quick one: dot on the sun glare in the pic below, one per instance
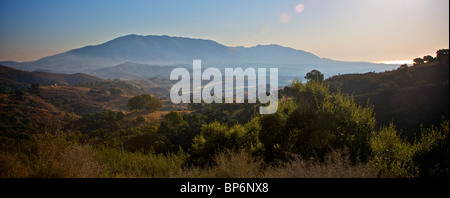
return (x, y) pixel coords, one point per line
(397, 62)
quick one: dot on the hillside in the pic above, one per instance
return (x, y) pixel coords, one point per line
(25, 78)
(410, 97)
(24, 112)
(81, 100)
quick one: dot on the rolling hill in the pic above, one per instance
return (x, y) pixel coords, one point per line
(26, 77)
(411, 97)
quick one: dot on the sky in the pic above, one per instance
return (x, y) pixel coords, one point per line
(347, 30)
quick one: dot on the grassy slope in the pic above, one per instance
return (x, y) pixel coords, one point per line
(28, 113)
(81, 100)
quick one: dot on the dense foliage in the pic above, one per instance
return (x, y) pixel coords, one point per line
(319, 130)
(315, 122)
(426, 157)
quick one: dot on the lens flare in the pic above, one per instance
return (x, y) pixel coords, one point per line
(285, 17)
(299, 8)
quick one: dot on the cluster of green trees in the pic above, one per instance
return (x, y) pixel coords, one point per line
(228, 113)
(99, 124)
(144, 102)
(316, 121)
(311, 122)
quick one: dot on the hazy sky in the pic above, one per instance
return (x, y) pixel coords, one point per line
(351, 30)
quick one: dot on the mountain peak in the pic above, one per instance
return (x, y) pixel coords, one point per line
(164, 50)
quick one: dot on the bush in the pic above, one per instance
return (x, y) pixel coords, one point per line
(315, 122)
(427, 157)
(390, 154)
(144, 102)
(433, 151)
(99, 123)
(175, 130)
(216, 137)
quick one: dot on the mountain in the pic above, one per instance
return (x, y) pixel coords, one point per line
(127, 53)
(26, 77)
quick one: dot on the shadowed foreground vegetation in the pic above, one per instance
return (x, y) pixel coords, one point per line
(316, 133)
(60, 156)
(319, 130)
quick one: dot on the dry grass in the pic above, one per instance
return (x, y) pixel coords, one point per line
(337, 164)
(53, 155)
(240, 164)
(121, 163)
(57, 157)
(228, 164)
(11, 166)
(48, 155)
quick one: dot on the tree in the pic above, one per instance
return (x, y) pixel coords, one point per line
(442, 54)
(428, 59)
(418, 61)
(314, 75)
(402, 67)
(174, 129)
(144, 102)
(315, 122)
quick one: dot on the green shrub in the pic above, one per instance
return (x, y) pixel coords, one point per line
(216, 137)
(315, 122)
(390, 154)
(427, 157)
(433, 151)
(144, 102)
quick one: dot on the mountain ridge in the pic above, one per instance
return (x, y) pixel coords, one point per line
(168, 51)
